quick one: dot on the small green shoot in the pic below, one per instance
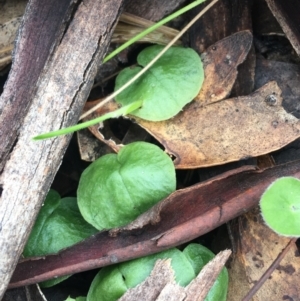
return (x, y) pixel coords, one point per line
(115, 114)
(280, 206)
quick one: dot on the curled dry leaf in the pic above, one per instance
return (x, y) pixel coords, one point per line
(112, 141)
(220, 66)
(284, 12)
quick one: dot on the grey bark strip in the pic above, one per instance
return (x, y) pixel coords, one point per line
(57, 101)
(41, 27)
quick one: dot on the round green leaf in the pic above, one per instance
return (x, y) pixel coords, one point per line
(112, 282)
(280, 206)
(198, 257)
(172, 82)
(117, 188)
(58, 226)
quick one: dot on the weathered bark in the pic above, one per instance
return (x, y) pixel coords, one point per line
(40, 30)
(287, 15)
(153, 10)
(64, 81)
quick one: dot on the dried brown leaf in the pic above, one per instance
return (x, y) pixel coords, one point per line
(255, 255)
(228, 130)
(220, 64)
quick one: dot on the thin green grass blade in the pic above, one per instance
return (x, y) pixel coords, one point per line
(117, 113)
(152, 28)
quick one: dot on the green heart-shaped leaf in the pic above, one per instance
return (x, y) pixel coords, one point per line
(58, 226)
(172, 82)
(280, 206)
(116, 188)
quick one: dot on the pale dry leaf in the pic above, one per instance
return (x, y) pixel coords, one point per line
(221, 61)
(10, 18)
(253, 258)
(227, 131)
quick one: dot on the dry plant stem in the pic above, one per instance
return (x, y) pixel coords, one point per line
(6, 49)
(269, 271)
(148, 66)
(7, 59)
(130, 26)
(144, 23)
(125, 32)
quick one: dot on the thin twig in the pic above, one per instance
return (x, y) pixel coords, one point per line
(269, 271)
(150, 64)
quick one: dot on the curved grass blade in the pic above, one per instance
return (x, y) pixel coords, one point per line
(117, 113)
